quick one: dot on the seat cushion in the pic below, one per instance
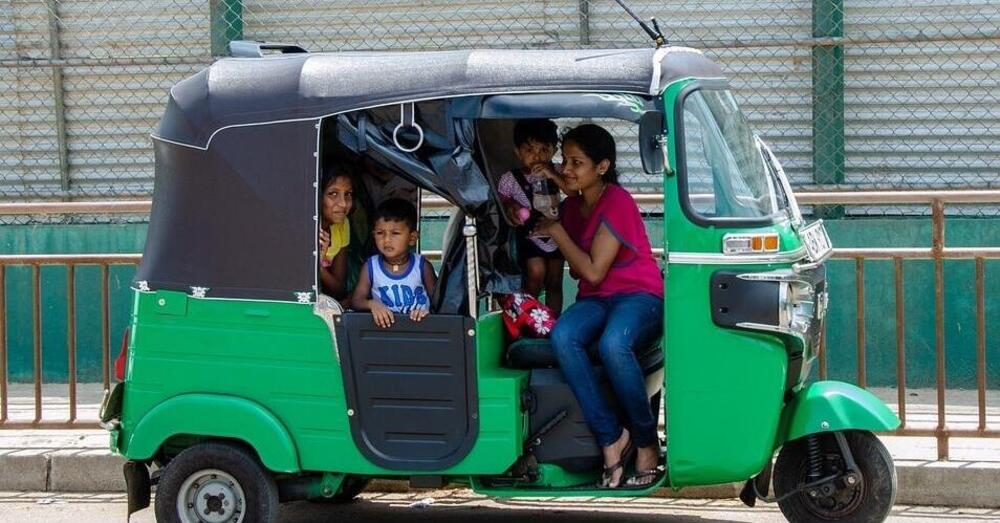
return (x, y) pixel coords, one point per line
(537, 353)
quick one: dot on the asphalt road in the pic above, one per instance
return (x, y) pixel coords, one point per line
(459, 507)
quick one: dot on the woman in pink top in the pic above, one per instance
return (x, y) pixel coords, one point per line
(619, 302)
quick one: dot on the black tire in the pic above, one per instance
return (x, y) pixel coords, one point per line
(206, 473)
(349, 490)
(868, 502)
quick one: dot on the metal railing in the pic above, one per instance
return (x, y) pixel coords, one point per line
(71, 262)
(936, 252)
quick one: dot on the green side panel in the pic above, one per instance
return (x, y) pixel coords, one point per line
(171, 303)
(282, 357)
(276, 355)
(830, 406)
(724, 388)
(218, 416)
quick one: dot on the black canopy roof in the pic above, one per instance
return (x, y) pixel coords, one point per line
(243, 91)
(238, 154)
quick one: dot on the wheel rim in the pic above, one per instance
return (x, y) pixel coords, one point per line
(842, 502)
(211, 496)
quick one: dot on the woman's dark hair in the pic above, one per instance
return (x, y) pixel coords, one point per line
(598, 144)
(539, 130)
(332, 171)
(397, 210)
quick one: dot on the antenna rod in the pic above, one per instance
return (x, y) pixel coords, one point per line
(658, 38)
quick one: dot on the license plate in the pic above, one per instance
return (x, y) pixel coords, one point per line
(816, 240)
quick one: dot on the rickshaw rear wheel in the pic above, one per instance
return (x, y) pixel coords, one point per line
(868, 502)
(216, 482)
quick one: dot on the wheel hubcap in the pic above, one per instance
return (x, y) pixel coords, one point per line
(211, 496)
(830, 502)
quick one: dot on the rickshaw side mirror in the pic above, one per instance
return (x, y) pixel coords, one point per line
(651, 139)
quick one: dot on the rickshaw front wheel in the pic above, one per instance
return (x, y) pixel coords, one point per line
(868, 501)
(216, 483)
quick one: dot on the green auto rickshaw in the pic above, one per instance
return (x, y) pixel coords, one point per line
(245, 386)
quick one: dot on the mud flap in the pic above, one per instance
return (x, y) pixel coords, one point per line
(111, 406)
(137, 485)
(757, 486)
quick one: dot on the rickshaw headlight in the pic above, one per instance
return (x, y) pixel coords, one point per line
(796, 305)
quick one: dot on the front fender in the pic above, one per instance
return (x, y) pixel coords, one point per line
(830, 406)
(218, 416)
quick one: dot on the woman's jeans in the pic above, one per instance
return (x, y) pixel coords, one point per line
(623, 323)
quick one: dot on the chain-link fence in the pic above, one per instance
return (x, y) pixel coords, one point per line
(867, 94)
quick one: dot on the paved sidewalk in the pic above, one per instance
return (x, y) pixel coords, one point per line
(79, 460)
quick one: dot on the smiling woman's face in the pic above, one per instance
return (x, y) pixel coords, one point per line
(338, 199)
(579, 170)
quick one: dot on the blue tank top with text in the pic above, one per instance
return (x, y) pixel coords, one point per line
(399, 293)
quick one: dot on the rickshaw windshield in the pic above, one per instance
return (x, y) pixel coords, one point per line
(724, 172)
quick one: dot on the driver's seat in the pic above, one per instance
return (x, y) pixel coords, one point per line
(532, 353)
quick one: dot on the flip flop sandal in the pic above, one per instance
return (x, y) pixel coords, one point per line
(609, 471)
(643, 479)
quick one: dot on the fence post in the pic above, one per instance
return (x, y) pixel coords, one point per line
(937, 247)
(226, 24)
(828, 99)
(584, 22)
(58, 95)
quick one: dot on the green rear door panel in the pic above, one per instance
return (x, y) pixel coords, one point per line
(281, 357)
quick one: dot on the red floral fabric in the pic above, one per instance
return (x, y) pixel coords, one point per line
(525, 316)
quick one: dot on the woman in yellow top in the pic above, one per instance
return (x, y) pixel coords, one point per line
(336, 202)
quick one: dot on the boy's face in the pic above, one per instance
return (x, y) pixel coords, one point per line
(532, 153)
(393, 238)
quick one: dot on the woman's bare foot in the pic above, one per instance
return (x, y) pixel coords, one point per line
(647, 469)
(615, 457)
(647, 458)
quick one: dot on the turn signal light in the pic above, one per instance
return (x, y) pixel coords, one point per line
(750, 243)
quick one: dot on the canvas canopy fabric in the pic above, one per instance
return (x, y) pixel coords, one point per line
(242, 91)
(238, 153)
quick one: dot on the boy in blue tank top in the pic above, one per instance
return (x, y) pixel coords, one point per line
(395, 281)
